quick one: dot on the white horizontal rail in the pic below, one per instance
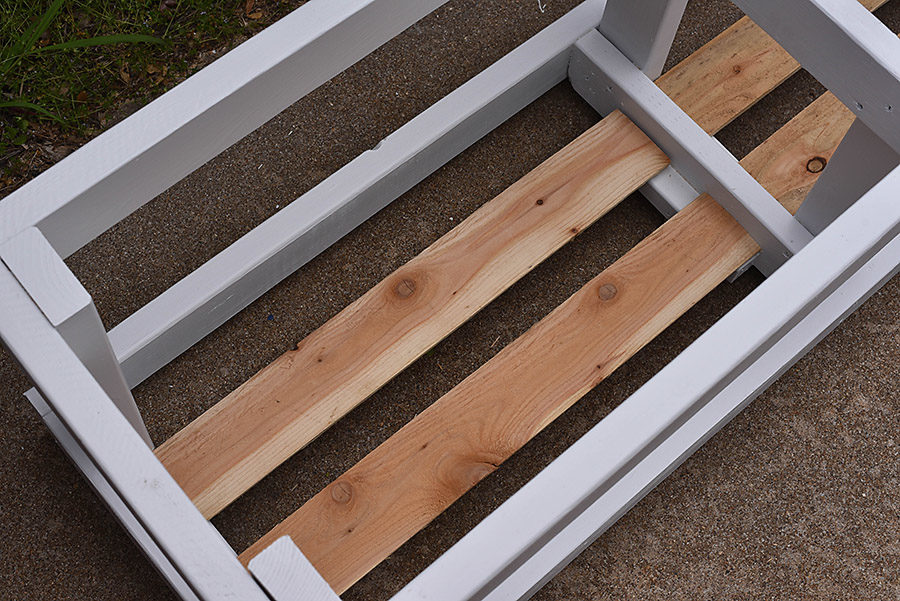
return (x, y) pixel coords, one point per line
(508, 548)
(204, 560)
(606, 510)
(846, 48)
(608, 80)
(123, 168)
(203, 300)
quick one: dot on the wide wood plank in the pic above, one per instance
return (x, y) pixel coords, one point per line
(728, 75)
(355, 522)
(291, 401)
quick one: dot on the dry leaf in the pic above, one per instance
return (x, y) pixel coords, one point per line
(82, 96)
(157, 73)
(257, 15)
(248, 6)
(124, 75)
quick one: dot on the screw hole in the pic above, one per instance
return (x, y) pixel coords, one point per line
(889, 108)
(859, 106)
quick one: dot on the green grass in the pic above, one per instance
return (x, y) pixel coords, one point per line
(60, 86)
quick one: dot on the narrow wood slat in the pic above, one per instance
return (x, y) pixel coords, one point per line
(294, 399)
(728, 75)
(355, 522)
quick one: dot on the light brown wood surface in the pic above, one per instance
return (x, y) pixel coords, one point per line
(355, 522)
(225, 451)
(731, 73)
(294, 399)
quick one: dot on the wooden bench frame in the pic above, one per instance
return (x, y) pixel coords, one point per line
(610, 51)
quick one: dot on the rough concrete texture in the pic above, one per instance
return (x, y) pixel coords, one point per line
(799, 497)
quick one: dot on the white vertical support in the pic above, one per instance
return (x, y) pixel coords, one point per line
(203, 559)
(860, 162)
(287, 575)
(643, 30)
(69, 309)
(668, 192)
(846, 48)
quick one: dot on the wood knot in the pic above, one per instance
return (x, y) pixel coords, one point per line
(816, 164)
(540, 201)
(607, 292)
(405, 288)
(341, 492)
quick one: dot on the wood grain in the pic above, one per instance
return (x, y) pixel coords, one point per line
(290, 402)
(728, 75)
(355, 522)
(786, 164)
(216, 458)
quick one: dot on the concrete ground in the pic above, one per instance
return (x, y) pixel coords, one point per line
(799, 497)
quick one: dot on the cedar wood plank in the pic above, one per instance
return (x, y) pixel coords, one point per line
(713, 85)
(358, 520)
(303, 392)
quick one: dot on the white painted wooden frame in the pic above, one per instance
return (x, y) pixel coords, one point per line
(50, 325)
(203, 559)
(69, 308)
(103, 182)
(857, 58)
(544, 525)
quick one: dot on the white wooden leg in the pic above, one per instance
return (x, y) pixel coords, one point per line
(69, 308)
(113, 500)
(860, 162)
(202, 557)
(643, 30)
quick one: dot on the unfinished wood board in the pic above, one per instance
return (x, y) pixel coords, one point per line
(731, 73)
(354, 523)
(213, 478)
(290, 402)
